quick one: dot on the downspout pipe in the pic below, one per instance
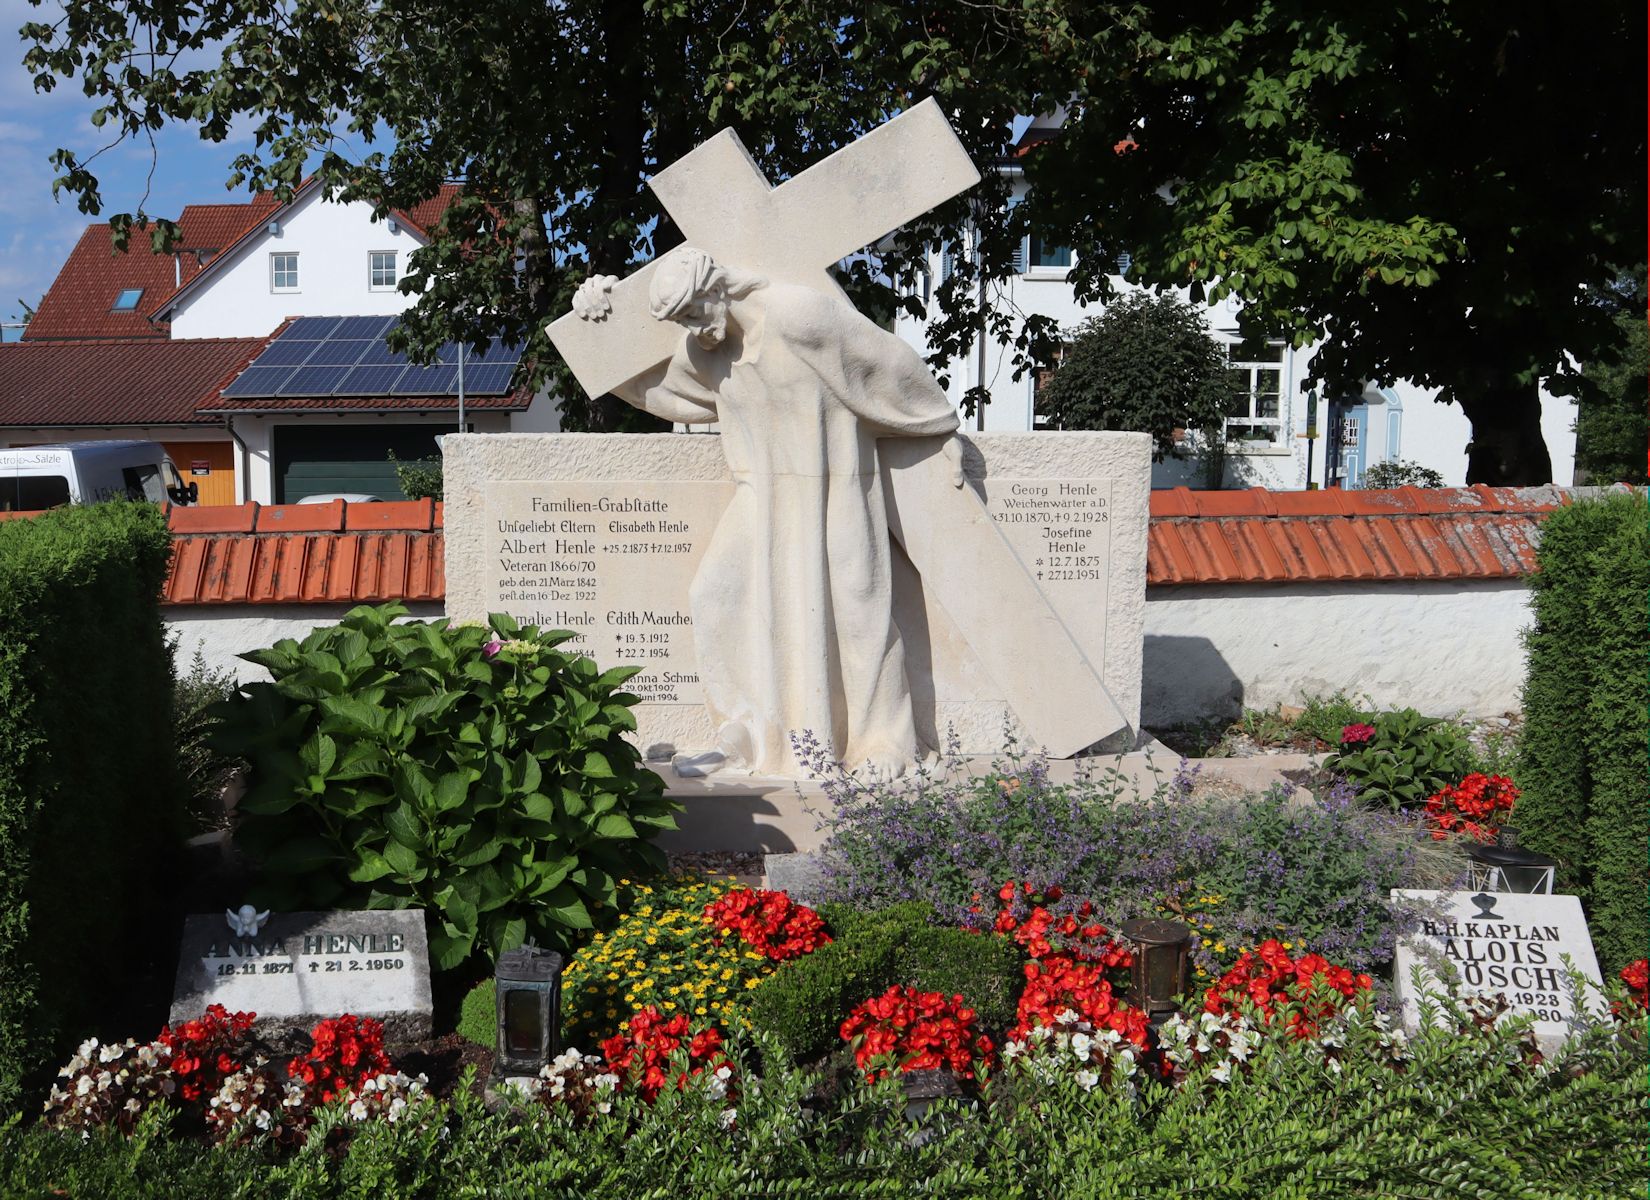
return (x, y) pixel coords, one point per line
(242, 483)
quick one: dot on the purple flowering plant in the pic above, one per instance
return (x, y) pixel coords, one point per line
(1315, 873)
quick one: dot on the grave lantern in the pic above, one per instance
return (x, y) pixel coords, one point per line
(1161, 949)
(528, 982)
(1509, 869)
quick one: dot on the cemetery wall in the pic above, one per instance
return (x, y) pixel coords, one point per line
(1209, 648)
(1252, 598)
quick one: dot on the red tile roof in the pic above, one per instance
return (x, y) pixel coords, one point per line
(118, 382)
(78, 304)
(424, 217)
(341, 553)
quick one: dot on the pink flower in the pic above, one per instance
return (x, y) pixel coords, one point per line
(1356, 734)
(490, 649)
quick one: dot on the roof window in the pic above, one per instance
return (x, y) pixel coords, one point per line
(127, 301)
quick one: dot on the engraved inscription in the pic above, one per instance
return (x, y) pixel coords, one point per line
(611, 561)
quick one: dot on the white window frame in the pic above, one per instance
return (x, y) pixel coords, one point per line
(1280, 442)
(1039, 271)
(372, 271)
(275, 271)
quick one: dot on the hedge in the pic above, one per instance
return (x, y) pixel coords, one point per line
(1468, 1115)
(90, 808)
(1584, 762)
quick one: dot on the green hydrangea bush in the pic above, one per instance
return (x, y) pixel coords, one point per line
(479, 773)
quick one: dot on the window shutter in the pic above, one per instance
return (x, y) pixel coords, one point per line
(1020, 257)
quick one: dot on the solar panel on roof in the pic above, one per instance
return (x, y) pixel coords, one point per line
(258, 381)
(311, 328)
(368, 328)
(500, 351)
(338, 352)
(370, 381)
(314, 381)
(488, 379)
(449, 353)
(286, 353)
(428, 381)
(379, 354)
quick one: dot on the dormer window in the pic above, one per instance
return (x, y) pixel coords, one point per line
(127, 301)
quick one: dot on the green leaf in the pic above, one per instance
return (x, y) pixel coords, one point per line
(563, 906)
(615, 825)
(372, 865)
(451, 791)
(403, 825)
(402, 860)
(449, 950)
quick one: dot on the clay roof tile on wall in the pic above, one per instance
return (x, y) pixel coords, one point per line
(342, 553)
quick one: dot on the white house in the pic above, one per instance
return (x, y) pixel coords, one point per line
(1268, 446)
(249, 271)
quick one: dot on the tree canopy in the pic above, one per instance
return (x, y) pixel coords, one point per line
(1436, 188)
(1146, 363)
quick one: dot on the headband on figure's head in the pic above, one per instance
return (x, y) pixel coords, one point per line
(683, 275)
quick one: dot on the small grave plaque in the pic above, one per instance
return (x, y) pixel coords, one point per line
(293, 969)
(1502, 943)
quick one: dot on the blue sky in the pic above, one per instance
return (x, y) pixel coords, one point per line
(38, 231)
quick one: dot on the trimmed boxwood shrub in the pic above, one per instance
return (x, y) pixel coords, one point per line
(802, 1005)
(478, 773)
(1468, 1115)
(1583, 763)
(90, 803)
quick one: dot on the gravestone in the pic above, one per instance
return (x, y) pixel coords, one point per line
(294, 969)
(602, 534)
(1517, 945)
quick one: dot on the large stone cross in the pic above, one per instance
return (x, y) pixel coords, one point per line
(792, 233)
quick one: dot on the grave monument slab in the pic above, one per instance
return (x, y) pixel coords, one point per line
(294, 969)
(1514, 944)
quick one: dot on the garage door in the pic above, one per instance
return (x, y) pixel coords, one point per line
(312, 460)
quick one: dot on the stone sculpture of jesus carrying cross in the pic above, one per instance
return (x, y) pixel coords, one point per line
(792, 603)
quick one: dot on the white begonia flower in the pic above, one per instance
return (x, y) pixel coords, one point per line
(729, 1116)
(132, 1105)
(1087, 1080)
(1013, 1049)
(724, 1072)
(1065, 1016)
(604, 1106)
(87, 1049)
(110, 1053)
(83, 1085)
(358, 1110)
(1222, 1073)
(1081, 1044)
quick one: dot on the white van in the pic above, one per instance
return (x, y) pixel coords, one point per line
(39, 477)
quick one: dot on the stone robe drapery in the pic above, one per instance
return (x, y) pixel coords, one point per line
(792, 604)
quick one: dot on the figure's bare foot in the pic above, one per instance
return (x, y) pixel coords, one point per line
(882, 764)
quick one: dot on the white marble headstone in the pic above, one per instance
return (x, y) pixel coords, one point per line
(299, 968)
(1511, 944)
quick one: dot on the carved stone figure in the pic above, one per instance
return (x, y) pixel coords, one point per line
(792, 603)
(246, 921)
